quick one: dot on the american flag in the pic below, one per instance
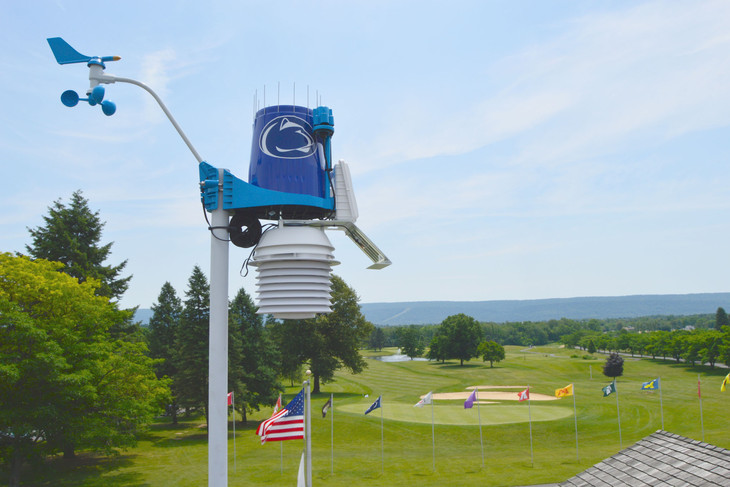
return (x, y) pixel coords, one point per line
(285, 424)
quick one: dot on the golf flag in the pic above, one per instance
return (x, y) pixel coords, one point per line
(374, 405)
(524, 395)
(652, 385)
(326, 407)
(277, 406)
(565, 391)
(285, 424)
(425, 400)
(699, 388)
(609, 389)
(469, 403)
(725, 382)
(230, 398)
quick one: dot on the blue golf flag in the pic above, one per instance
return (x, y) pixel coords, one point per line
(374, 405)
(652, 385)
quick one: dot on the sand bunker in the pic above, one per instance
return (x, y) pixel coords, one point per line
(493, 395)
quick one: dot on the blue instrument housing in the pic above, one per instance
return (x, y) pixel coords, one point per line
(290, 167)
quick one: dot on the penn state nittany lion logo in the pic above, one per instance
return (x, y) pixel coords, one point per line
(287, 137)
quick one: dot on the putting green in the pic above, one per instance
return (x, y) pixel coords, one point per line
(456, 414)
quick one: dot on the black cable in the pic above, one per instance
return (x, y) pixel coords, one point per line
(205, 214)
(265, 229)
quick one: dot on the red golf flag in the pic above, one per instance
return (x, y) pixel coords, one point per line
(230, 398)
(524, 395)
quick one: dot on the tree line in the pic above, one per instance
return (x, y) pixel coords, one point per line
(701, 338)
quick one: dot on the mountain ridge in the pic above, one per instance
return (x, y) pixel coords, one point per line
(501, 311)
(578, 308)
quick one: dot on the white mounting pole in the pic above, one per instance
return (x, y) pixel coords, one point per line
(218, 325)
(218, 346)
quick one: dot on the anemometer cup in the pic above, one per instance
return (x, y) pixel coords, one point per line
(70, 98)
(97, 95)
(108, 107)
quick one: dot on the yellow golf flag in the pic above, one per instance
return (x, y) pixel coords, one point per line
(725, 382)
(566, 391)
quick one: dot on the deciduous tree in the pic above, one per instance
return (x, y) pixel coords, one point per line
(410, 341)
(329, 341)
(65, 382)
(491, 351)
(463, 335)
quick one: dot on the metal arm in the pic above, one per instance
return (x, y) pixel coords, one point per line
(96, 76)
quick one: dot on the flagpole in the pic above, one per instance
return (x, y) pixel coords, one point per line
(281, 443)
(433, 438)
(618, 415)
(332, 431)
(308, 432)
(529, 412)
(661, 406)
(479, 415)
(699, 394)
(575, 416)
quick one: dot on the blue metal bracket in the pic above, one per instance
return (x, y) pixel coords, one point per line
(208, 185)
(264, 203)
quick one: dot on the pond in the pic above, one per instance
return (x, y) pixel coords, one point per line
(397, 358)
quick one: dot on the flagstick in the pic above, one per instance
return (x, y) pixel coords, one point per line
(382, 447)
(529, 412)
(332, 431)
(433, 438)
(479, 415)
(233, 403)
(661, 406)
(618, 415)
(575, 416)
(702, 422)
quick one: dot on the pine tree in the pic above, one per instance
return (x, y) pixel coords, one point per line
(721, 319)
(614, 366)
(253, 357)
(191, 345)
(163, 328)
(72, 236)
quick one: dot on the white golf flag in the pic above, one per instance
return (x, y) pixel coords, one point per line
(425, 400)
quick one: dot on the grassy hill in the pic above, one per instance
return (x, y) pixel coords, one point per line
(177, 456)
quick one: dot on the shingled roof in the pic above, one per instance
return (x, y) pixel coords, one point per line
(660, 459)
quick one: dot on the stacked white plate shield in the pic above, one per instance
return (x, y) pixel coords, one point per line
(294, 266)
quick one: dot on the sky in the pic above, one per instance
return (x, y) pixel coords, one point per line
(499, 150)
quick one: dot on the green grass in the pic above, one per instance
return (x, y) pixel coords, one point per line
(177, 456)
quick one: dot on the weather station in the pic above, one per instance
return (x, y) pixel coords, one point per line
(293, 183)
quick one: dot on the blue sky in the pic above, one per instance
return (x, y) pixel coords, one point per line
(499, 150)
